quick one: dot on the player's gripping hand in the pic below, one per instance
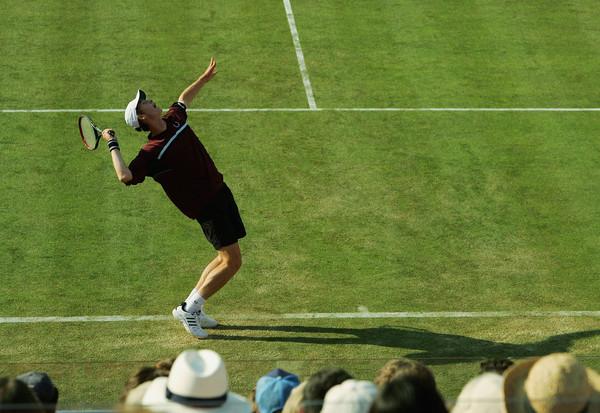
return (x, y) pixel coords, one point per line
(108, 134)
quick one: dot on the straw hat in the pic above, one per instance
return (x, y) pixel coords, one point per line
(197, 383)
(557, 383)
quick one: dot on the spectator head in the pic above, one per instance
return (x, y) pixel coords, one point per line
(144, 375)
(351, 396)
(273, 390)
(135, 396)
(408, 394)
(197, 383)
(17, 397)
(557, 383)
(41, 385)
(483, 394)
(292, 405)
(495, 366)
(405, 367)
(164, 364)
(318, 385)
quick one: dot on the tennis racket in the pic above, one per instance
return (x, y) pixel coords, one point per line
(90, 133)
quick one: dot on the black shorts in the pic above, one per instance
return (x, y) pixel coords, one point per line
(221, 220)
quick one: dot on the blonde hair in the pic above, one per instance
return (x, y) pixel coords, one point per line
(405, 367)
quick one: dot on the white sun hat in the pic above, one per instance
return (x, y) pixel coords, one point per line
(197, 383)
(131, 111)
(482, 394)
(350, 396)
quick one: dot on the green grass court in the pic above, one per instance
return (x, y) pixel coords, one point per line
(413, 211)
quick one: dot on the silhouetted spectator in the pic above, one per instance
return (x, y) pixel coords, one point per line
(17, 397)
(407, 394)
(318, 385)
(41, 385)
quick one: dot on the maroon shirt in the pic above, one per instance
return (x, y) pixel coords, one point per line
(178, 161)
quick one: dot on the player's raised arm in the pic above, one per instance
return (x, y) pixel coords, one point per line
(192, 90)
(123, 172)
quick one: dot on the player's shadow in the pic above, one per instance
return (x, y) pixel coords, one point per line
(441, 348)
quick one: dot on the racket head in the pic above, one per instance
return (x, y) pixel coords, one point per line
(90, 133)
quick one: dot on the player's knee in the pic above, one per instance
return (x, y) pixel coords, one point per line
(232, 257)
(235, 262)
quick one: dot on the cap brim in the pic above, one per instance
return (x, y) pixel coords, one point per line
(140, 96)
(131, 110)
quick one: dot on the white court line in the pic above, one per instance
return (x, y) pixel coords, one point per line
(467, 109)
(323, 110)
(83, 319)
(362, 314)
(299, 54)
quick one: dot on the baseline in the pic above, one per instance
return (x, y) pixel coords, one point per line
(356, 315)
(322, 110)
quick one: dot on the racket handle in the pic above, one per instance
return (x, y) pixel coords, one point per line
(111, 133)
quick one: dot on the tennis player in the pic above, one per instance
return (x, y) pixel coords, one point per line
(176, 159)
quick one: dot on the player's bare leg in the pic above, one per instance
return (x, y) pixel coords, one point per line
(220, 270)
(211, 266)
(216, 274)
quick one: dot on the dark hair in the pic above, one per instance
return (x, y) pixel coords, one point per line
(16, 397)
(407, 394)
(318, 385)
(143, 127)
(495, 366)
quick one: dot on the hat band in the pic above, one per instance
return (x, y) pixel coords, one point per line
(196, 402)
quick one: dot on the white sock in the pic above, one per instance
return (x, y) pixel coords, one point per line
(194, 302)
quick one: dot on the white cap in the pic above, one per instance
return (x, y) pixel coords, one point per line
(131, 111)
(351, 396)
(482, 394)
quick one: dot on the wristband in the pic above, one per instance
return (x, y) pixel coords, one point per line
(113, 144)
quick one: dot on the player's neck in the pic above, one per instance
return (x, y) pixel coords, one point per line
(157, 127)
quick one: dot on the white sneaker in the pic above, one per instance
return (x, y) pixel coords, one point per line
(190, 322)
(205, 321)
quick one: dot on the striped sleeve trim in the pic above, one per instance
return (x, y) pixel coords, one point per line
(171, 140)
